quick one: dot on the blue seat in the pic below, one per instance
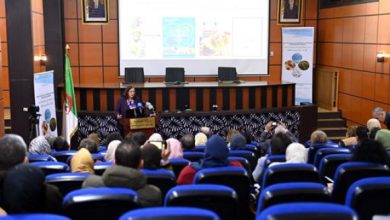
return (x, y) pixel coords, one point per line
(369, 197)
(162, 178)
(62, 156)
(243, 161)
(220, 199)
(308, 143)
(67, 182)
(97, 157)
(350, 172)
(235, 177)
(329, 164)
(100, 167)
(178, 164)
(268, 160)
(307, 210)
(40, 158)
(292, 192)
(51, 167)
(290, 172)
(34, 217)
(321, 153)
(99, 203)
(314, 148)
(170, 213)
(193, 156)
(249, 155)
(200, 148)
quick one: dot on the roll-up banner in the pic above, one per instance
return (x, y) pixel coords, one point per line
(297, 61)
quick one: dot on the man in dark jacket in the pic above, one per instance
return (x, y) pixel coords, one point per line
(125, 173)
(383, 116)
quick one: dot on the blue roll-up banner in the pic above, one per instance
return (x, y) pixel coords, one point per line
(297, 61)
(44, 98)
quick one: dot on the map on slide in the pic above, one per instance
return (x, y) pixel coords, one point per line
(178, 37)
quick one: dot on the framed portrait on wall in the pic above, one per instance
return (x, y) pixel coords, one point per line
(95, 11)
(290, 11)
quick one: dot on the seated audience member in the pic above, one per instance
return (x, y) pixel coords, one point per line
(110, 153)
(200, 139)
(24, 191)
(373, 123)
(206, 131)
(188, 142)
(248, 136)
(39, 145)
(124, 173)
(383, 116)
(230, 134)
(238, 142)
(174, 148)
(13, 151)
(216, 155)
(361, 133)
(383, 136)
(278, 143)
(151, 157)
(351, 137)
(60, 144)
(95, 138)
(111, 137)
(155, 137)
(372, 133)
(371, 151)
(295, 153)
(318, 137)
(82, 161)
(138, 137)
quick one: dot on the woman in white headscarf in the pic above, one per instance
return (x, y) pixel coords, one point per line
(200, 139)
(110, 154)
(39, 145)
(295, 153)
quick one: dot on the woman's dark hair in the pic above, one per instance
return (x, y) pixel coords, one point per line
(111, 137)
(60, 144)
(248, 136)
(125, 94)
(361, 133)
(371, 151)
(373, 133)
(279, 143)
(89, 144)
(151, 156)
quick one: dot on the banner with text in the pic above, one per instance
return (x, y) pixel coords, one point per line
(297, 61)
(44, 98)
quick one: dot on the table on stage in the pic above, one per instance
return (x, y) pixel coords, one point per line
(198, 96)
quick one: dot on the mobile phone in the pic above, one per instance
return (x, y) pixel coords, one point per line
(274, 124)
(159, 144)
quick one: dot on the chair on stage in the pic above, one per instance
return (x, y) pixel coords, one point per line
(220, 199)
(174, 75)
(134, 75)
(100, 203)
(227, 74)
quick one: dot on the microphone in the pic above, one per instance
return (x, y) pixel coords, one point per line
(149, 106)
(140, 107)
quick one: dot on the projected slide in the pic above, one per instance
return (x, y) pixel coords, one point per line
(197, 35)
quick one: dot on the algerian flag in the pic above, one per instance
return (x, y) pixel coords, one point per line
(70, 120)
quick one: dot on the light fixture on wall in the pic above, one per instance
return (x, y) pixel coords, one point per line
(380, 57)
(42, 59)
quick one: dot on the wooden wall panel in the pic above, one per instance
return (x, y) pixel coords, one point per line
(4, 96)
(364, 83)
(1, 94)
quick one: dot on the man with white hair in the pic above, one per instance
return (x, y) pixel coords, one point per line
(383, 116)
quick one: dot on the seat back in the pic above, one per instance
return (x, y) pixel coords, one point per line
(329, 164)
(220, 199)
(67, 182)
(292, 192)
(33, 217)
(51, 167)
(99, 203)
(100, 167)
(290, 172)
(268, 160)
(40, 158)
(162, 178)
(170, 213)
(227, 73)
(369, 197)
(174, 74)
(193, 156)
(178, 164)
(307, 210)
(62, 156)
(134, 75)
(350, 172)
(235, 177)
(322, 152)
(244, 163)
(249, 155)
(314, 148)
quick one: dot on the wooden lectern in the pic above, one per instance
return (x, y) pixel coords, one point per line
(144, 124)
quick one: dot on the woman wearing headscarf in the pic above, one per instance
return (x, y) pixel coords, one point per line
(39, 145)
(175, 149)
(24, 191)
(110, 154)
(82, 162)
(200, 139)
(238, 142)
(295, 153)
(216, 155)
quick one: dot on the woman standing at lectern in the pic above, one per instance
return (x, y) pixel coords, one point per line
(128, 101)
